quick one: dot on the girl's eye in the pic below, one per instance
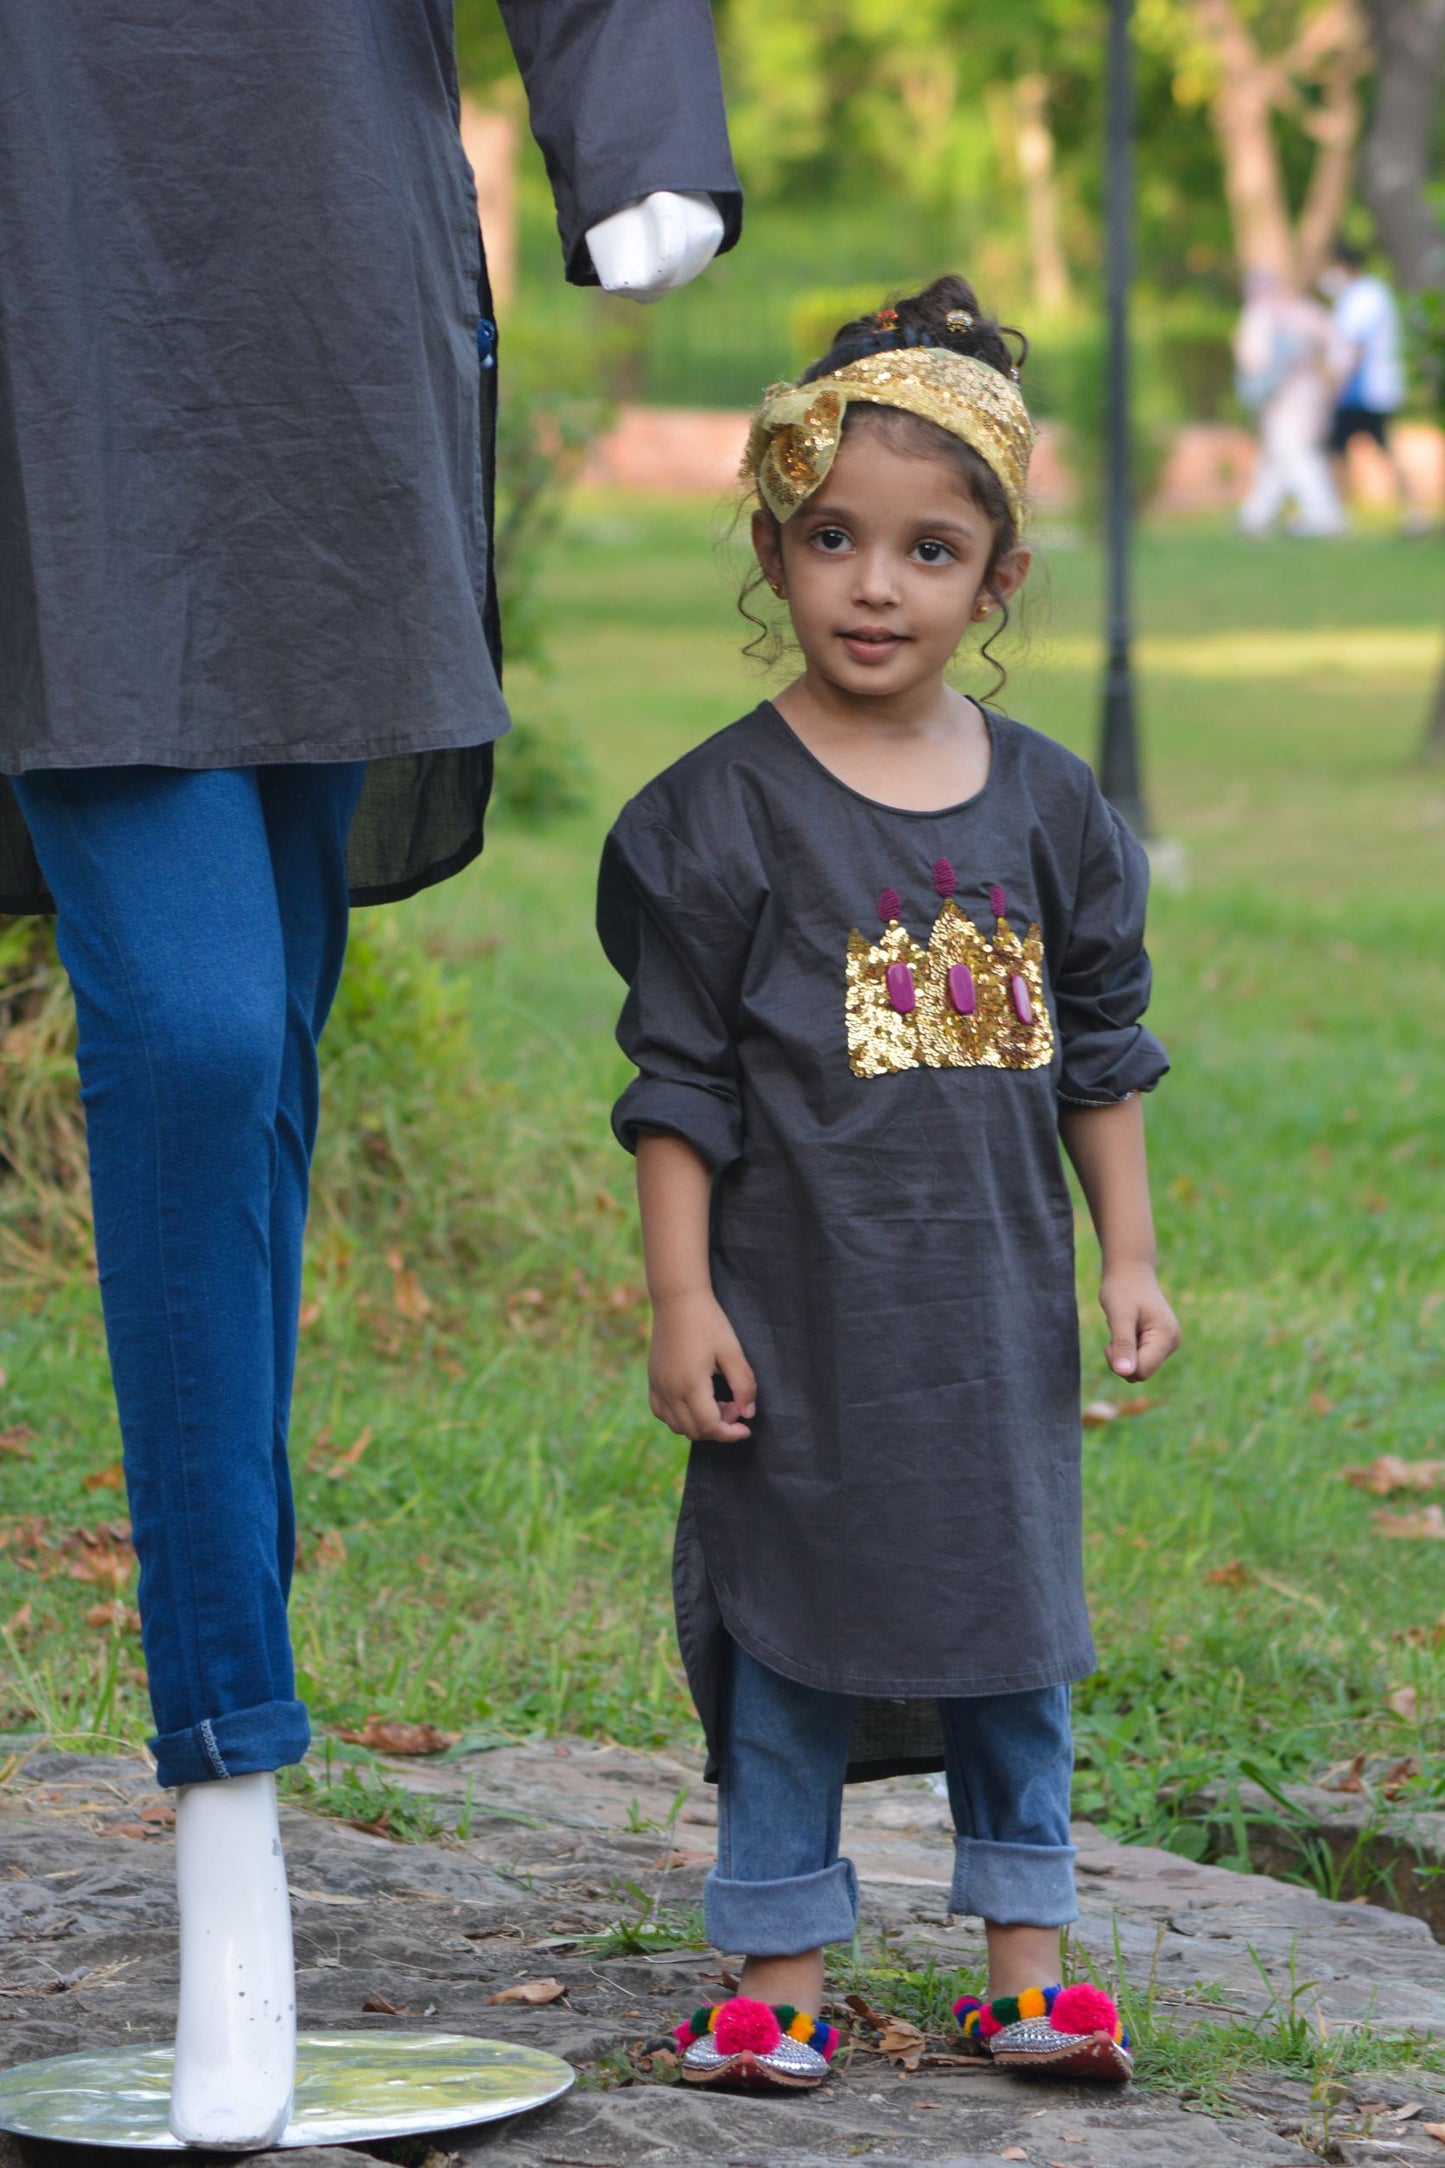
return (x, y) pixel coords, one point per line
(831, 539)
(934, 553)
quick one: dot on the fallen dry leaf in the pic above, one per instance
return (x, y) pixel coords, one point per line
(120, 1615)
(18, 1621)
(310, 1315)
(345, 1462)
(1097, 1413)
(1407, 2114)
(1398, 1775)
(531, 1991)
(380, 2007)
(128, 1829)
(329, 1549)
(1390, 1473)
(1013, 2152)
(161, 1812)
(1320, 1403)
(1436, 2130)
(1350, 1779)
(1234, 1575)
(393, 1735)
(861, 2007)
(1428, 1525)
(408, 1298)
(902, 2042)
(111, 1478)
(1139, 1405)
(1405, 1703)
(16, 1441)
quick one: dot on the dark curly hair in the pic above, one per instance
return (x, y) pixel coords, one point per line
(920, 319)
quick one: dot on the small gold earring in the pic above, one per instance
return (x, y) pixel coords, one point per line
(777, 587)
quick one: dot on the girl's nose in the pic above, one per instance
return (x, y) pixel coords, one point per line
(874, 581)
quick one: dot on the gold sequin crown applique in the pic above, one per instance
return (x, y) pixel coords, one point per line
(797, 429)
(966, 1001)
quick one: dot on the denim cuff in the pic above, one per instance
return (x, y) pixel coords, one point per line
(238, 1744)
(781, 1919)
(1018, 1885)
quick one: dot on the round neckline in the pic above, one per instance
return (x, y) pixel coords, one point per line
(881, 805)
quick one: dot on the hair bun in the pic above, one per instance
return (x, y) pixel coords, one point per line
(946, 313)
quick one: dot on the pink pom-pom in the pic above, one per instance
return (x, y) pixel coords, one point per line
(888, 905)
(997, 900)
(1083, 2008)
(683, 2034)
(743, 2026)
(988, 2024)
(945, 880)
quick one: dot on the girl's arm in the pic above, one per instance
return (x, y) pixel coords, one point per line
(691, 1336)
(1106, 1145)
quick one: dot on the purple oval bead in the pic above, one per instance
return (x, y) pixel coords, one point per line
(961, 989)
(1023, 1003)
(899, 981)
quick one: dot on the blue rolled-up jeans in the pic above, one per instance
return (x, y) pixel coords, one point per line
(780, 1887)
(202, 918)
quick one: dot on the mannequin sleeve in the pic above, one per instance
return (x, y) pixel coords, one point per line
(625, 98)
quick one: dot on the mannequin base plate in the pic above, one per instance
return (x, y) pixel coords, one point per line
(351, 2087)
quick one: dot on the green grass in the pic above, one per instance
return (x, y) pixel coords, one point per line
(497, 1554)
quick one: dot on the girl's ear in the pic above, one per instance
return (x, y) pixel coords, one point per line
(1009, 573)
(768, 544)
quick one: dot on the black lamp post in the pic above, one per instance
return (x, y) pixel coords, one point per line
(1119, 765)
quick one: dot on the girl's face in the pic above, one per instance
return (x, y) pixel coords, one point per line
(884, 568)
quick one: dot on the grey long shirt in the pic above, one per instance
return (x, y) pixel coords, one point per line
(894, 1249)
(244, 424)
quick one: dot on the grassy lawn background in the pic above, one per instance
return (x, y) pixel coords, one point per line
(494, 1557)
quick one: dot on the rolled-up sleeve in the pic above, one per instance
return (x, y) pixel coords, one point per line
(680, 942)
(625, 98)
(1101, 989)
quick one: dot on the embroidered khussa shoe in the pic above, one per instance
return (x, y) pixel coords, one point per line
(1061, 2032)
(757, 2046)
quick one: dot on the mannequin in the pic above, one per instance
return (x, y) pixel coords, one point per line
(250, 674)
(235, 2064)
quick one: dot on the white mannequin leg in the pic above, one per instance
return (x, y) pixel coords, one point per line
(236, 2030)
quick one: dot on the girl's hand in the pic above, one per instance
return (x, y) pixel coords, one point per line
(1143, 1330)
(692, 1339)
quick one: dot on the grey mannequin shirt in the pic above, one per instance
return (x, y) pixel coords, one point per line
(245, 425)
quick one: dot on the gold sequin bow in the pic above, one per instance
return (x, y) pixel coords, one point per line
(797, 429)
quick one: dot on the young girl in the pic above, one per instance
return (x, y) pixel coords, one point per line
(885, 949)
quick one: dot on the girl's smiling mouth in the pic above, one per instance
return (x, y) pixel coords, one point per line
(872, 643)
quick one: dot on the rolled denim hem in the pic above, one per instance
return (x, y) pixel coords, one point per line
(240, 1744)
(781, 1919)
(1018, 1885)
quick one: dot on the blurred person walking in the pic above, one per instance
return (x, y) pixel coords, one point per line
(1282, 348)
(1368, 369)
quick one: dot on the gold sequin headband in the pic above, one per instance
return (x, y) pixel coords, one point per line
(797, 430)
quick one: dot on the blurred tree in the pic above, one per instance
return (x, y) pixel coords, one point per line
(1396, 173)
(1280, 80)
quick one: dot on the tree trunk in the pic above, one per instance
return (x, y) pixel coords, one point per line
(1242, 111)
(1040, 190)
(1409, 40)
(1335, 129)
(1395, 177)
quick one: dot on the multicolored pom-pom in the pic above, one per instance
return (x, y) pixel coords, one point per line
(1081, 2009)
(742, 2026)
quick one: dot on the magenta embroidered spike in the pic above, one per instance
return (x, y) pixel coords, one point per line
(888, 905)
(1022, 999)
(945, 880)
(899, 981)
(961, 991)
(998, 902)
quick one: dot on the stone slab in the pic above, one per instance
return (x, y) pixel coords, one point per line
(559, 1831)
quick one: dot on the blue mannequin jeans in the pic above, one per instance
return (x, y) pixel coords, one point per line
(779, 1886)
(202, 918)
